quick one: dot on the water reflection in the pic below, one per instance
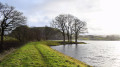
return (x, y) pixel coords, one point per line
(95, 53)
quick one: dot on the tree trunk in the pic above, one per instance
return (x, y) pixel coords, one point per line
(2, 34)
(68, 37)
(64, 39)
(63, 36)
(76, 37)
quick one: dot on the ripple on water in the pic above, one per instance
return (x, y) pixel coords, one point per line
(95, 53)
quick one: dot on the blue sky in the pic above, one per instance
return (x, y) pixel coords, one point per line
(102, 16)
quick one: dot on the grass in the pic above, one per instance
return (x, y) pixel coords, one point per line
(38, 54)
(6, 52)
(8, 38)
(55, 43)
(26, 56)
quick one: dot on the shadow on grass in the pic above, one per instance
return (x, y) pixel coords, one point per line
(7, 45)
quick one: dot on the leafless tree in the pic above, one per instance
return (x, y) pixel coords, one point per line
(60, 23)
(10, 19)
(69, 26)
(79, 27)
(1, 6)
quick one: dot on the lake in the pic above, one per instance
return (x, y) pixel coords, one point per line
(94, 53)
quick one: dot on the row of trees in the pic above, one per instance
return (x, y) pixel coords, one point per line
(9, 20)
(69, 25)
(66, 24)
(25, 33)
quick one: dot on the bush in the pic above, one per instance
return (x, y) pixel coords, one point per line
(10, 42)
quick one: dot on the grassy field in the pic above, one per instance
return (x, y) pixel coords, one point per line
(38, 54)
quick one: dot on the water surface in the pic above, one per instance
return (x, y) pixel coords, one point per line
(95, 53)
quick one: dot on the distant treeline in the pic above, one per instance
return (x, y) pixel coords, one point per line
(25, 33)
(99, 37)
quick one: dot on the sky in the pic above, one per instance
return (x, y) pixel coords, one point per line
(102, 16)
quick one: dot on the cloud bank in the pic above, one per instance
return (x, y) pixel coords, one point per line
(102, 16)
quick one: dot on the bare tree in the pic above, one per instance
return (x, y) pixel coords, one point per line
(1, 6)
(60, 23)
(69, 26)
(71, 32)
(79, 27)
(10, 19)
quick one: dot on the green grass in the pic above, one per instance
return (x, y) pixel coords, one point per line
(55, 43)
(38, 54)
(26, 56)
(7, 38)
(55, 59)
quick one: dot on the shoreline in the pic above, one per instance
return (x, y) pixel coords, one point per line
(46, 54)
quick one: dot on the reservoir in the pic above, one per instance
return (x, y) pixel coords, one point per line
(94, 53)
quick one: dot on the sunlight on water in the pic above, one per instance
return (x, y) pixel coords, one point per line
(95, 53)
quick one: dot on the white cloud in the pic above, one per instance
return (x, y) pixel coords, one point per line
(102, 16)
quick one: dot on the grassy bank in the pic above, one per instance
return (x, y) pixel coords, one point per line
(38, 54)
(56, 43)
